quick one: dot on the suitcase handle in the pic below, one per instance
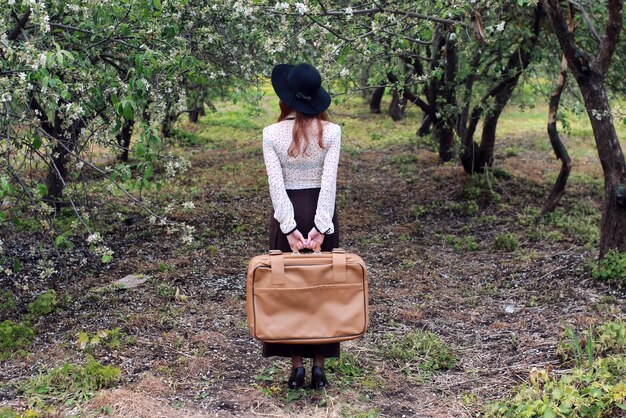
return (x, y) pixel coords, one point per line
(295, 250)
(340, 265)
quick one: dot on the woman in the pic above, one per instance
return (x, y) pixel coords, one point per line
(301, 153)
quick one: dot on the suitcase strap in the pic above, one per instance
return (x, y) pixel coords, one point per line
(340, 265)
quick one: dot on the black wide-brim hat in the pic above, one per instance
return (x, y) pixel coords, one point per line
(300, 88)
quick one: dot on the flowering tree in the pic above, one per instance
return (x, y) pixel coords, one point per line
(458, 61)
(77, 73)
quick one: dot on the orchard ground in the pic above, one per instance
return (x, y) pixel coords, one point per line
(467, 292)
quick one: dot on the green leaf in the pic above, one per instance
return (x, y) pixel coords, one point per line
(42, 189)
(549, 413)
(59, 240)
(36, 142)
(140, 150)
(16, 265)
(147, 173)
(128, 111)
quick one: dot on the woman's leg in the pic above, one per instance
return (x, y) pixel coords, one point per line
(296, 380)
(318, 360)
(296, 361)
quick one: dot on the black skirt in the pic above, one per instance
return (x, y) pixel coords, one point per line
(304, 203)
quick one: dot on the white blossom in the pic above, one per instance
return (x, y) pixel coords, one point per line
(187, 237)
(301, 8)
(301, 40)
(500, 26)
(94, 238)
(189, 205)
(281, 6)
(344, 73)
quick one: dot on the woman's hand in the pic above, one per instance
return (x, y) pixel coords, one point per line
(297, 240)
(315, 239)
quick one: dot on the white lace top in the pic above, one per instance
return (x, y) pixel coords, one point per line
(316, 169)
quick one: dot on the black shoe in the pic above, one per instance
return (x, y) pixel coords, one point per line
(318, 378)
(297, 378)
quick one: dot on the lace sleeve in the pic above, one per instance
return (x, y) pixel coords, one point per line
(283, 209)
(326, 201)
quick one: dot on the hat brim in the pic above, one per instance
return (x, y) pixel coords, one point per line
(320, 101)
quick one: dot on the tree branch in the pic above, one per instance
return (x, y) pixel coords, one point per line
(20, 25)
(611, 35)
(577, 58)
(587, 20)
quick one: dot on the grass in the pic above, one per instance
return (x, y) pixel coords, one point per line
(611, 269)
(44, 304)
(418, 354)
(7, 301)
(111, 339)
(594, 387)
(14, 337)
(69, 383)
(506, 242)
(462, 244)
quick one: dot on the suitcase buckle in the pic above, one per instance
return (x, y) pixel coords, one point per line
(275, 252)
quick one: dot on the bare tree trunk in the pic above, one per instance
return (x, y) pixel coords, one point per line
(366, 93)
(377, 97)
(445, 126)
(193, 104)
(613, 225)
(57, 166)
(396, 107)
(444, 135)
(558, 190)
(194, 114)
(425, 127)
(123, 139)
(589, 71)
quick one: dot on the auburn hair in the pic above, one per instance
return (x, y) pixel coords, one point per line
(302, 128)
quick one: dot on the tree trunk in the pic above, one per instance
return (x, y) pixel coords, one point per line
(377, 97)
(557, 145)
(613, 225)
(589, 71)
(444, 135)
(488, 140)
(123, 139)
(396, 107)
(448, 93)
(425, 127)
(558, 190)
(366, 93)
(57, 167)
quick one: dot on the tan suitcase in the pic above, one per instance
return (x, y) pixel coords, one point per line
(304, 298)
